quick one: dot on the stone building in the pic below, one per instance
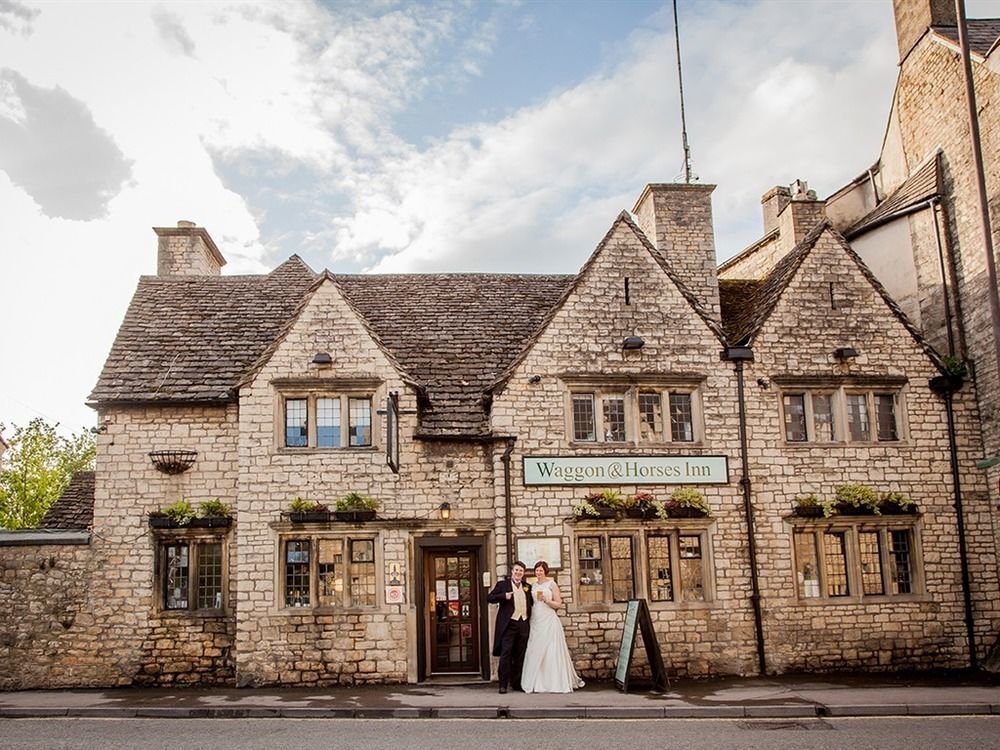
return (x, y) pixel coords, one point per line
(480, 411)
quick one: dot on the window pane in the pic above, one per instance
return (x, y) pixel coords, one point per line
(835, 560)
(795, 417)
(622, 573)
(297, 573)
(614, 418)
(296, 423)
(650, 417)
(583, 417)
(681, 423)
(328, 422)
(661, 587)
(807, 565)
(210, 575)
(822, 404)
(885, 415)
(692, 573)
(175, 580)
(901, 562)
(362, 572)
(330, 569)
(590, 554)
(361, 421)
(857, 416)
(870, 543)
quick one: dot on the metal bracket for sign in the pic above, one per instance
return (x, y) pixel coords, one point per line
(392, 431)
(637, 615)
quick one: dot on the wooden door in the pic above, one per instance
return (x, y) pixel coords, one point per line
(451, 577)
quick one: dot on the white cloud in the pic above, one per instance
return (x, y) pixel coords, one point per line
(775, 91)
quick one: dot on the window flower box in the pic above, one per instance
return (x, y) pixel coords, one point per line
(355, 507)
(309, 516)
(354, 515)
(163, 521)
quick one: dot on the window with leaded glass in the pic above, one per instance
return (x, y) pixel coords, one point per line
(622, 570)
(823, 418)
(191, 574)
(692, 574)
(614, 418)
(650, 417)
(795, 417)
(361, 421)
(328, 422)
(591, 560)
(661, 584)
(869, 558)
(584, 426)
(857, 417)
(885, 416)
(296, 423)
(329, 571)
(681, 418)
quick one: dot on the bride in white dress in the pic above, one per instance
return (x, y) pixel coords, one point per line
(548, 667)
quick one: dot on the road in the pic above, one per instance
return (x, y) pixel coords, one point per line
(912, 733)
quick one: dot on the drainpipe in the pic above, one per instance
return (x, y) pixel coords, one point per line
(508, 513)
(946, 386)
(738, 355)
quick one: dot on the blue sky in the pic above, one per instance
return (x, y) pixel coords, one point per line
(390, 137)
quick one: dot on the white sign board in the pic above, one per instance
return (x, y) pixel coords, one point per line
(606, 470)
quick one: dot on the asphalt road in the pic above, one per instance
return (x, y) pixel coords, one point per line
(912, 733)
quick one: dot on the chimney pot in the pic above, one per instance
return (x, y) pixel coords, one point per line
(183, 223)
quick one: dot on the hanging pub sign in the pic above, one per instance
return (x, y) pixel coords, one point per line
(392, 431)
(591, 470)
(637, 615)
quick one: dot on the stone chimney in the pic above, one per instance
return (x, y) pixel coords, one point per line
(187, 250)
(799, 216)
(677, 218)
(913, 17)
(772, 203)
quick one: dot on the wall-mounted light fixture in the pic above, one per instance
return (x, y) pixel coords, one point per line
(845, 353)
(322, 358)
(633, 343)
(535, 379)
(445, 510)
(763, 383)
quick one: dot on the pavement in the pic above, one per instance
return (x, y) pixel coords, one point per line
(783, 697)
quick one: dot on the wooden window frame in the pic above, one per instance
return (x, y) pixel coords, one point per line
(839, 412)
(193, 538)
(852, 528)
(346, 603)
(633, 415)
(344, 391)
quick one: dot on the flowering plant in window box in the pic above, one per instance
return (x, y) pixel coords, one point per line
(686, 502)
(210, 514)
(644, 505)
(301, 510)
(604, 504)
(857, 500)
(895, 503)
(356, 507)
(811, 506)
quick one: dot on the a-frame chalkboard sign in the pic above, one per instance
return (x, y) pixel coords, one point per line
(637, 614)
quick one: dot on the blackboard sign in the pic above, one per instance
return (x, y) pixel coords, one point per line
(637, 614)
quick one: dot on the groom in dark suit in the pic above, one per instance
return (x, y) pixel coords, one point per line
(510, 638)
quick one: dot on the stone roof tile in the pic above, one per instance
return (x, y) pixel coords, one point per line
(75, 507)
(983, 34)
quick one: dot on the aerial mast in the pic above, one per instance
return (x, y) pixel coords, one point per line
(680, 83)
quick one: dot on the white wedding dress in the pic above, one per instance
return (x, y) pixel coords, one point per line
(548, 667)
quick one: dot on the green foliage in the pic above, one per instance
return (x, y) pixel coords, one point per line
(301, 505)
(954, 366)
(180, 512)
(809, 502)
(210, 508)
(860, 496)
(36, 470)
(585, 509)
(904, 503)
(687, 497)
(608, 499)
(356, 501)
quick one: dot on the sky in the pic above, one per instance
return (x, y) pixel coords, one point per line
(382, 136)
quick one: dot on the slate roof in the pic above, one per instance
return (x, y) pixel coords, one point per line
(921, 186)
(75, 507)
(453, 333)
(190, 338)
(736, 301)
(983, 34)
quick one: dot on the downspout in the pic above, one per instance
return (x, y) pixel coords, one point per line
(738, 355)
(508, 512)
(948, 317)
(946, 386)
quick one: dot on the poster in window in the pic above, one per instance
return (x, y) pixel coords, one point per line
(547, 548)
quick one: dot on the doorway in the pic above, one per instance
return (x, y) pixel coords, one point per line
(451, 624)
